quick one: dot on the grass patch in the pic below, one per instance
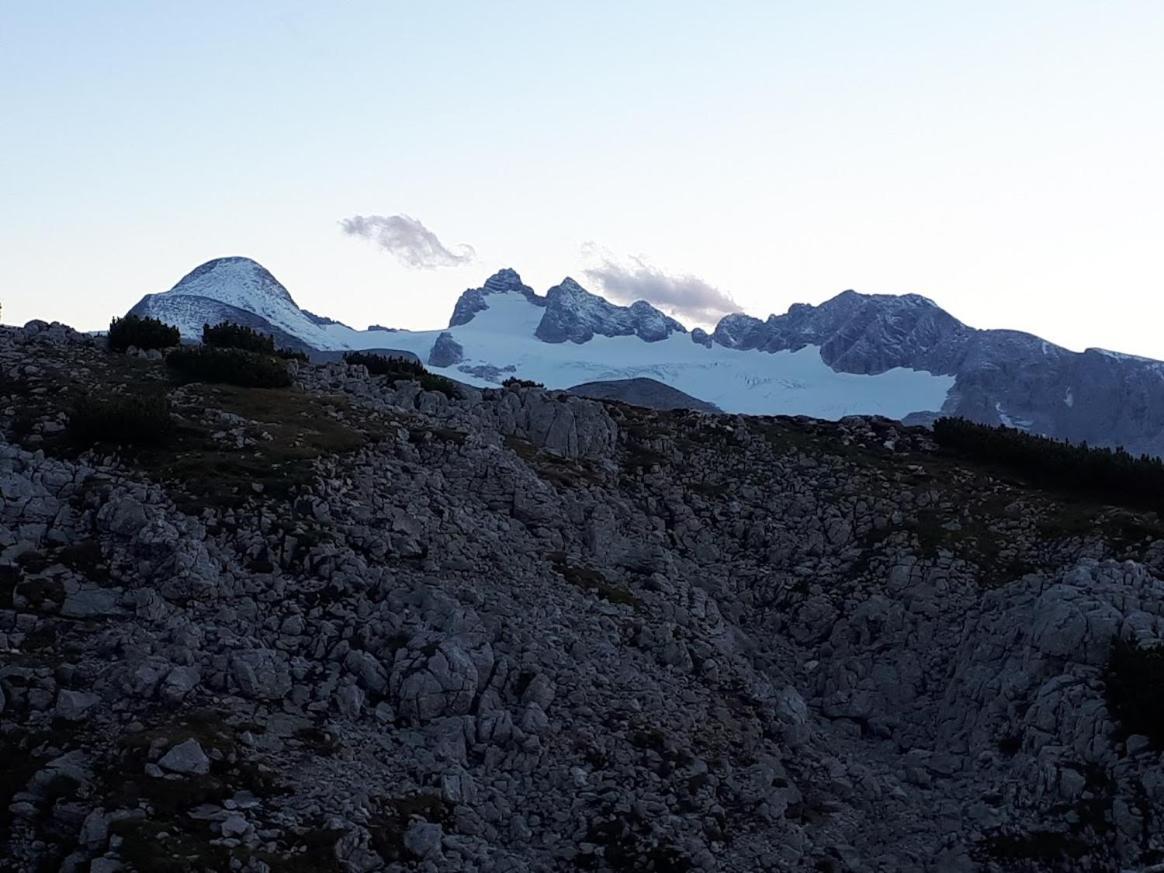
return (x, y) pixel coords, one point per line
(589, 579)
(133, 420)
(555, 469)
(388, 826)
(289, 428)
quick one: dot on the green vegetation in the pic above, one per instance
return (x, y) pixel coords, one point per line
(143, 333)
(1132, 685)
(229, 335)
(559, 471)
(293, 355)
(514, 382)
(589, 579)
(402, 368)
(286, 430)
(139, 419)
(1113, 475)
(389, 824)
(229, 366)
(628, 845)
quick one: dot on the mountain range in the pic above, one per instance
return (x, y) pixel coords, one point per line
(899, 356)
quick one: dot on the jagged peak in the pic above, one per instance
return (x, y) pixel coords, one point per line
(505, 279)
(473, 300)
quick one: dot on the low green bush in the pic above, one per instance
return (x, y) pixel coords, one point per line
(143, 333)
(139, 419)
(386, 365)
(1133, 681)
(229, 335)
(402, 368)
(1112, 475)
(514, 382)
(293, 355)
(229, 366)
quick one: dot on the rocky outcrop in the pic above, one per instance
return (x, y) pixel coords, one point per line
(1002, 377)
(574, 314)
(446, 351)
(520, 630)
(474, 300)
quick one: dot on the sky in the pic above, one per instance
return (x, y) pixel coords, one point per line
(1002, 158)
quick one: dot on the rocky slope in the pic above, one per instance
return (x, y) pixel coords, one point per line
(358, 626)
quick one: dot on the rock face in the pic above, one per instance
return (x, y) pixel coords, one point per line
(574, 314)
(446, 351)
(1002, 376)
(475, 299)
(520, 630)
(642, 392)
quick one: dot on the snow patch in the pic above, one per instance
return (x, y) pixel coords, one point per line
(751, 382)
(1016, 423)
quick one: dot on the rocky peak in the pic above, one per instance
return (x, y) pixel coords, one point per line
(473, 300)
(231, 280)
(506, 279)
(857, 333)
(575, 314)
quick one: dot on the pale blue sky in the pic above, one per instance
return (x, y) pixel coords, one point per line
(1003, 158)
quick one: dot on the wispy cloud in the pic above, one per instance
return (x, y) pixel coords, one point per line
(685, 296)
(409, 241)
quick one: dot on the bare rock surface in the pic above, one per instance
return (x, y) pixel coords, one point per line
(360, 626)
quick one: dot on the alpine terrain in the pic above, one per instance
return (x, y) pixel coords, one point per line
(358, 622)
(902, 357)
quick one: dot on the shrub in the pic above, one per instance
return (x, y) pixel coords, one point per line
(126, 420)
(1113, 475)
(229, 335)
(144, 333)
(402, 368)
(293, 355)
(1132, 682)
(386, 365)
(229, 366)
(514, 382)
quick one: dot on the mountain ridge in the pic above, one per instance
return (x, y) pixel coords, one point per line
(897, 355)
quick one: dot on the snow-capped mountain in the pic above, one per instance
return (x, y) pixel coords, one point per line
(222, 289)
(899, 356)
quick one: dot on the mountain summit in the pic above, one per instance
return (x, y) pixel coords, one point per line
(900, 356)
(234, 289)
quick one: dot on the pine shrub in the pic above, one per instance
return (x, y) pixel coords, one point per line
(229, 366)
(1133, 681)
(1113, 475)
(395, 368)
(143, 333)
(514, 382)
(137, 419)
(229, 335)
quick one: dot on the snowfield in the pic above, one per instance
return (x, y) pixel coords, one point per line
(751, 382)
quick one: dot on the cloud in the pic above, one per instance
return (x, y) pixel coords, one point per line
(684, 296)
(409, 241)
